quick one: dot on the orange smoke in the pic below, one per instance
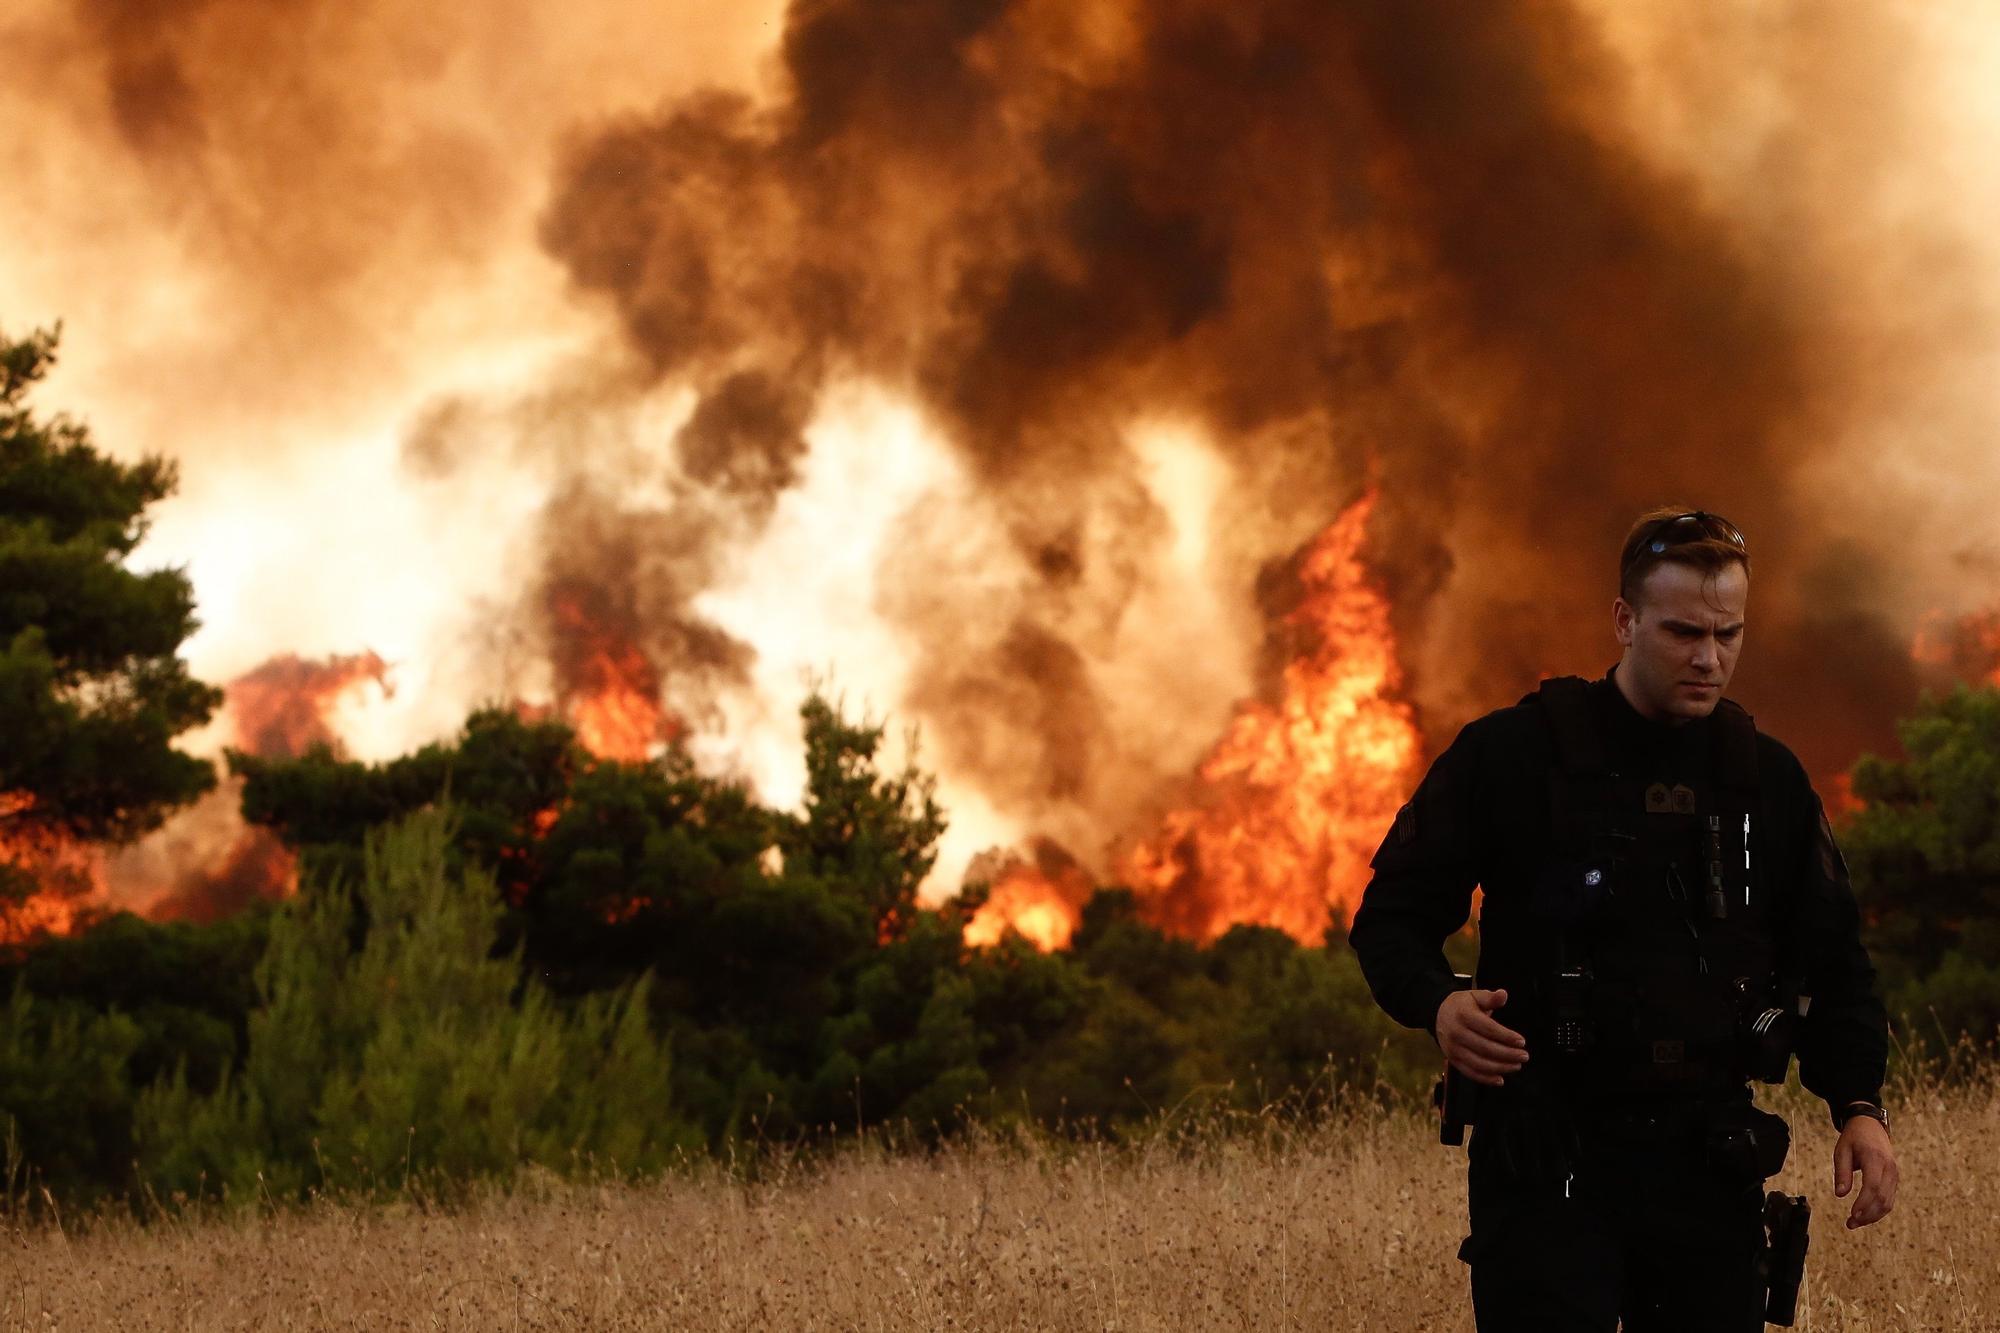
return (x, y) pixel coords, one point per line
(1291, 800)
(1964, 648)
(205, 862)
(282, 708)
(1291, 226)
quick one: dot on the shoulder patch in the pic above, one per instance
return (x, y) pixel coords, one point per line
(1404, 831)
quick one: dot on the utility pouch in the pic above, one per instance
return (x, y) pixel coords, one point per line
(1453, 1095)
(1787, 1218)
(1748, 1148)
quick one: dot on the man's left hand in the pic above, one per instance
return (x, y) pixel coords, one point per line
(1864, 1147)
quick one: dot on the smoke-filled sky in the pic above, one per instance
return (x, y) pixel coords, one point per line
(990, 358)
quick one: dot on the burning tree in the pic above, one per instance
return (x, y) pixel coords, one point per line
(92, 692)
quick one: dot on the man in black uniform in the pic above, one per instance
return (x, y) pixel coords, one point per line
(1665, 918)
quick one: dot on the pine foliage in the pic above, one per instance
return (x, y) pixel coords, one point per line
(91, 690)
(1925, 854)
(420, 1056)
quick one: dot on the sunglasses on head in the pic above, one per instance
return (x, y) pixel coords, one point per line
(1679, 529)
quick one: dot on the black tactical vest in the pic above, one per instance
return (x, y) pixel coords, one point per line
(1660, 918)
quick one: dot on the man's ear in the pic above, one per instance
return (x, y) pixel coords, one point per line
(1623, 618)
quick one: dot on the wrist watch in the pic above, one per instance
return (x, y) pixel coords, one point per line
(1853, 1109)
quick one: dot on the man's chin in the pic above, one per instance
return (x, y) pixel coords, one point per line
(1694, 705)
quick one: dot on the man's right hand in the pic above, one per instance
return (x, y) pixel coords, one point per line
(1475, 1042)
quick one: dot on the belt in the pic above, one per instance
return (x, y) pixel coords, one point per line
(1674, 1122)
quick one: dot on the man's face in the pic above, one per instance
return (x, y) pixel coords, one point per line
(1681, 641)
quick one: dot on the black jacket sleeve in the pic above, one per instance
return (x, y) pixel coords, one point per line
(1844, 1040)
(1421, 892)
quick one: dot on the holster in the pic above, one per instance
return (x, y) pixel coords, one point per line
(1453, 1097)
(1453, 1093)
(1787, 1218)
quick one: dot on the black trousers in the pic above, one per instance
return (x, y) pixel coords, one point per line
(1611, 1227)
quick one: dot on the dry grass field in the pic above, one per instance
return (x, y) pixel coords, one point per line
(1349, 1223)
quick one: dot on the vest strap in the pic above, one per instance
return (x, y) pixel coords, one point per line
(1591, 830)
(1735, 747)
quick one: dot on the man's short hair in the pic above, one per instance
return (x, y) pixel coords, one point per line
(1673, 534)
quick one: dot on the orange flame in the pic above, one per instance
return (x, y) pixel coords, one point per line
(205, 862)
(1966, 648)
(1297, 792)
(610, 692)
(281, 709)
(620, 722)
(1291, 800)
(1841, 802)
(67, 877)
(1041, 900)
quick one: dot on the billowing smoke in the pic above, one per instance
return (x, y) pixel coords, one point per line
(1350, 244)
(1175, 283)
(616, 601)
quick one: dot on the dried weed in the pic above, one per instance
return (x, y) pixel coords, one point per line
(1348, 1221)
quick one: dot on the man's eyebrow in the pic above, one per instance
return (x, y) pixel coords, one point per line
(1688, 626)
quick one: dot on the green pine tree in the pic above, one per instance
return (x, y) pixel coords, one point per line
(418, 1057)
(92, 692)
(1925, 855)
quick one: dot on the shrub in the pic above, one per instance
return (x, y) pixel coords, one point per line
(419, 1054)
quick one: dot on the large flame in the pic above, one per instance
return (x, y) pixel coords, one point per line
(1039, 898)
(1297, 792)
(1292, 799)
(610, 691)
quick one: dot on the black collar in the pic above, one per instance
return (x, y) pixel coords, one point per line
(1633, 739)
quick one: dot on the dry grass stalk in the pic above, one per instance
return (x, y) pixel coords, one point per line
(1347, 1223)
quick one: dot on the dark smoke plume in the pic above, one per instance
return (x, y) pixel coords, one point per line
(615, 599)
(636, 526)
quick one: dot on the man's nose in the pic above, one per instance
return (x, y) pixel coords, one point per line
(1705, 655)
